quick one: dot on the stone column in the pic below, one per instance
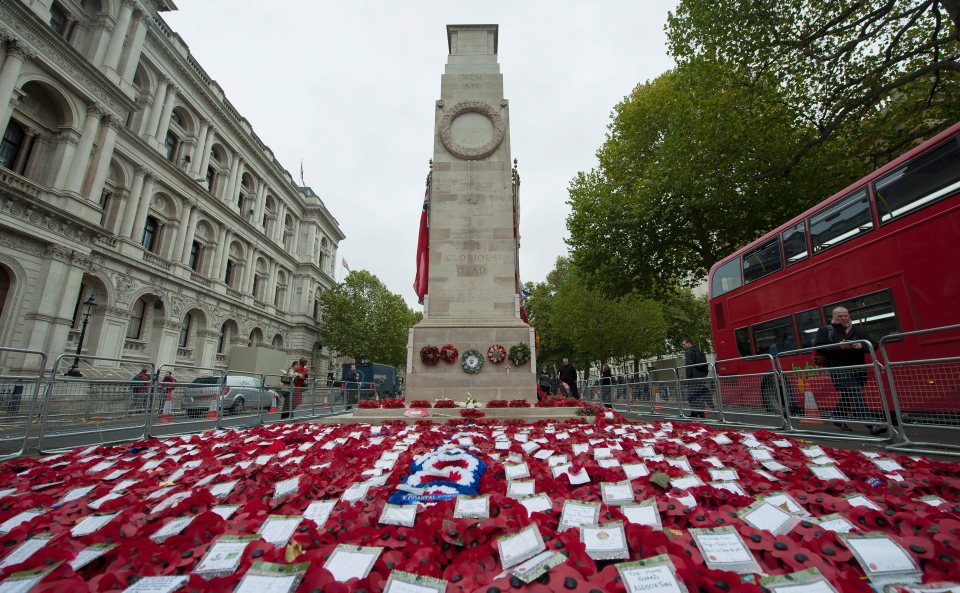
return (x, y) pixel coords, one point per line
(112, 59)
(57, 286)
(167, 348)
(104, 157)
(247, 281)
(30, 135)
(69, 140)
(223, 254)
(205, 155)
(196, 159)
(130, 211)
(143, 206)
(206, 343)
(158, 102)
(114, 332)
(236, 173)
(147, 102)
(136, 47)
(191, 233)
(278, 226)
(261, 204)
(81, 160)
(180, 245)
(165, 114)
(12, 66)
(271, 289)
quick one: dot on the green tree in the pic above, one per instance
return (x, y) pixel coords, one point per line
(836, 63)
(687, 317)
(580, 323)
(362, 319)
(680, 180)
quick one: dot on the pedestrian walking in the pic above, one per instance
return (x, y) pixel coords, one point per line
(543, 383)
(606, 380)
(568, 375)
(141, 391)
(168, 384)
(696, 371)
(839, 344)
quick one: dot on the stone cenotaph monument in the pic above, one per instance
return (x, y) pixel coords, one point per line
(472, 296)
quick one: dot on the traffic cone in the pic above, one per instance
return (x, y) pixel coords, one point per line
(326, 405)
(376, 394)
(167, 416)
(811, 414)
(212, 411)
(273, 404)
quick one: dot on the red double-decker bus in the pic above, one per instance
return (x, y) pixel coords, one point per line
(887, 248)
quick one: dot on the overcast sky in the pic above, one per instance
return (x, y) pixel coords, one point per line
(349, 87)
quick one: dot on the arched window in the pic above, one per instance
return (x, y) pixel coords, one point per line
(151, 233)
(11, 144)
(185, 331)
(196, 252)
(222, 338)
(170, 145)
(135, 327)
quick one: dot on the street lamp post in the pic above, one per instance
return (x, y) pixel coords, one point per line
(88, 306)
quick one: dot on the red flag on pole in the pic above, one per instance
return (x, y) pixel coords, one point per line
(423, 249)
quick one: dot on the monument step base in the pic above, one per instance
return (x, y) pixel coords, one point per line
(440, 415)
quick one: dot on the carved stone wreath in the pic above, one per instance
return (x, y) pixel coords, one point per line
(471, 153)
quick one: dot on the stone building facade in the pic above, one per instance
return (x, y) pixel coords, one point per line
(126, 174)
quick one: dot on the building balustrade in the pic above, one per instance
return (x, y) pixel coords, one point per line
(156, 260)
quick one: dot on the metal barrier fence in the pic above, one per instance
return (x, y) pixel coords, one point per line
(20, 388)
(101, 400)
(925, 393)
(838, 395)
(112, 407)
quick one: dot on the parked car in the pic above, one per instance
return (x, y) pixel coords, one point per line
(237, 395)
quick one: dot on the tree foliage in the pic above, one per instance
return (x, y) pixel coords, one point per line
(580, 323)
(773, 106)
(688, 318)
(836, 63)
(362, 319)
(678, 184)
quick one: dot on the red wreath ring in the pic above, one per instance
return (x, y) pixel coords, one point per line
(429, 355)
(449, 353)
(496, 354)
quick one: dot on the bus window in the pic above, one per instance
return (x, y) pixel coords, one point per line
(922, 181)
(808, 322)
(743, 341)
(874, 312)
(841, 221)
(761, 260)
(794, 243)
(774, 336)
(726, 278)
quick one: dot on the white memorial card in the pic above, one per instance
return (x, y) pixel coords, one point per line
(89, 554)
(278, 529)
(764, 516)
(515, 548)
(475, 507)
(650, 575)
(223, 557)
(644, 513)
(156, 585)
(605, 542)
(576, 513)
(352, 562)
(723, 549)
(92, 523)
(399, 514)
(538, 503)
(616, 493)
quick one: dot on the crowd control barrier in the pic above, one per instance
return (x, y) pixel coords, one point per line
(844, 396)
(20, 388)
(926, 393)
(915, 404)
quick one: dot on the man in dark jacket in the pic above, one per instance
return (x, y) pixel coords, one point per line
(697, 369)
(838, 351)
(568, 374)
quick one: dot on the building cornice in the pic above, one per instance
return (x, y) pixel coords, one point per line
(19, 23)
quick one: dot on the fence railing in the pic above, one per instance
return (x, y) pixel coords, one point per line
(102, 400)
(901, 403)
